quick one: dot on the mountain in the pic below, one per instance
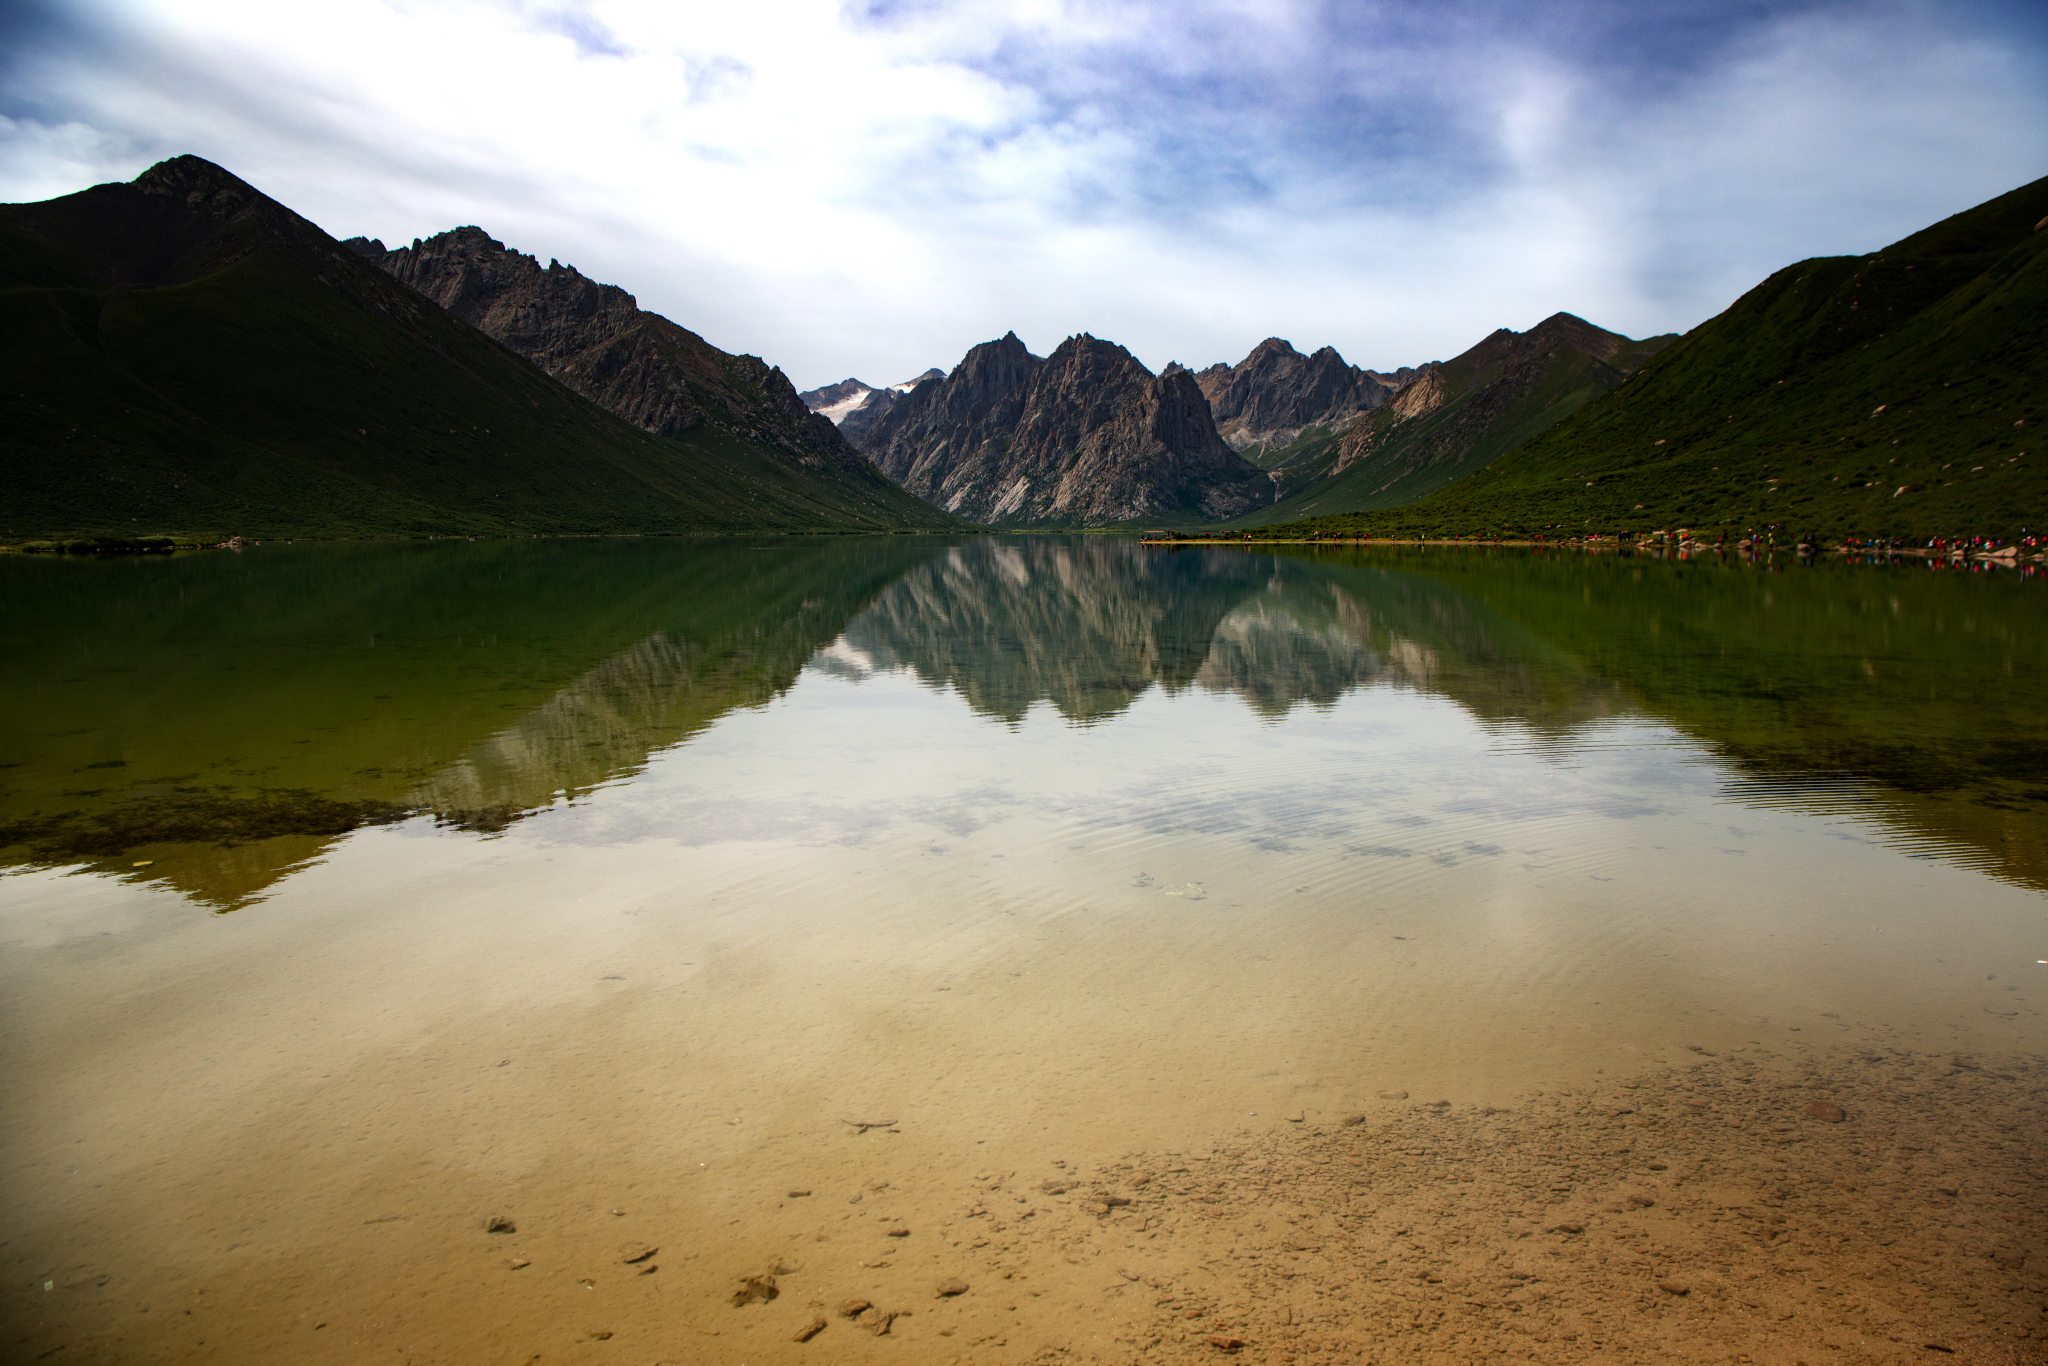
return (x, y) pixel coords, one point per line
(187, 355)
(1276, 400)
(1893, 394)
(1084, 437)
(1457, 416)
(833, 400)
(595, 338)
(855, 407)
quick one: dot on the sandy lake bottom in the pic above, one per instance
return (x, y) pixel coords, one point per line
(861, 1025)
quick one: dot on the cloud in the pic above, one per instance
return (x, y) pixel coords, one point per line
(871, 188)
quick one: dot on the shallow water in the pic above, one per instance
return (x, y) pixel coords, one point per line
(361, 893)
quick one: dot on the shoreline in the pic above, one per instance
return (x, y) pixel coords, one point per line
(1658, 551)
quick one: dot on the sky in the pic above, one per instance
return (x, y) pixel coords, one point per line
(868, 188)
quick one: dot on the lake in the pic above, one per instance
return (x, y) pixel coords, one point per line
(1345, 954)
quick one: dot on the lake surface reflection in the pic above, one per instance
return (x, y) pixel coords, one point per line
(926, 877)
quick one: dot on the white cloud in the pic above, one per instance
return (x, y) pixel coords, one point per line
(870, 192)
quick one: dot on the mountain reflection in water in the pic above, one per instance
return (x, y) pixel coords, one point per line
(1088, 628)
(219, 720)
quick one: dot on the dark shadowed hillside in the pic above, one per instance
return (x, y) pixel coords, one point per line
(186, 355)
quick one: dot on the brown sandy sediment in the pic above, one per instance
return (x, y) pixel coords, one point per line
(1699, 1214)
(1694, 1213)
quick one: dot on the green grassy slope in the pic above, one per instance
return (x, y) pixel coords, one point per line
(1502, 393)
(1898, 393)
(226, 368)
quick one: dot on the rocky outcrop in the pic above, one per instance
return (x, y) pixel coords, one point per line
(1275, 394)
(1084, 437)
(595, 338)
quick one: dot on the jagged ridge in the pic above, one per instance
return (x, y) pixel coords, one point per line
(595, 338)
(1275, 393)
(1084, 437)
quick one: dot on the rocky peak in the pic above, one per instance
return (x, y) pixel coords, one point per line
(832, 395)
(1272, 350)
(1275, 392)
(547, 315)
(1085, 436)
(855, 406)
(1568, 329)
(199, 184)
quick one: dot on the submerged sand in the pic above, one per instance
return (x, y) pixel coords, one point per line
(1087, 1027)
(1715, 1211)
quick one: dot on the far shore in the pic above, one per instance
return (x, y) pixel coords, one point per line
(1607, 543)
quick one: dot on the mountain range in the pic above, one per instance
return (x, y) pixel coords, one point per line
(1010, 439)
(1898, 393)
(1084, 437)
(1330, 436)
(187, 355)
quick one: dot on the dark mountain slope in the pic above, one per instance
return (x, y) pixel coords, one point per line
(186, 355)
(1084, 437)
(1459, 416)
(596, 339)
(1898, 393)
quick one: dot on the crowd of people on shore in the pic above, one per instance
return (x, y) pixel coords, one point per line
(1955, 547)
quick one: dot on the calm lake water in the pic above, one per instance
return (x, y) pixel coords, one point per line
(357, 894)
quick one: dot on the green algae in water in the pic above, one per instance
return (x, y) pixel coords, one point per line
(218, 816)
